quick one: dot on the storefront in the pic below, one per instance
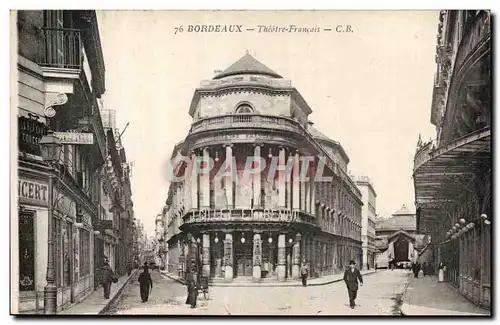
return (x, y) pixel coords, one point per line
(33, 196)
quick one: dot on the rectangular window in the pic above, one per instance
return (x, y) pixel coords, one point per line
(84, 252)
(66, 254)
(26, 252)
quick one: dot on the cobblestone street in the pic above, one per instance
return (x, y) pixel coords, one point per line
(380, 295)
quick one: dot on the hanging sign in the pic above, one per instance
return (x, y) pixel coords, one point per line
(75, 137)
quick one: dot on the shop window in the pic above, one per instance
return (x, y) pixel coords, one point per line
(26, 252)
(57, 251)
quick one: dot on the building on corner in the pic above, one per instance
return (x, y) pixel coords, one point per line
(260, 227)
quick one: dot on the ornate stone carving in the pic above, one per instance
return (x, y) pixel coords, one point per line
(51, 100)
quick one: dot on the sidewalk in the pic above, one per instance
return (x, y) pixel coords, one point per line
(289, 283)
(94, 303)
(425, 296)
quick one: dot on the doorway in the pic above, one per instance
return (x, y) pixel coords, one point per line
(243, 259)
(401, 250)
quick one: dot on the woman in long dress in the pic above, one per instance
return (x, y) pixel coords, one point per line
(441, 272)
(192, 288)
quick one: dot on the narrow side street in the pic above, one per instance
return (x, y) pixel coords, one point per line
(380, 295)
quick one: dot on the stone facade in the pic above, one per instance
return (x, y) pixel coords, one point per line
(231, 222)
(368, 221)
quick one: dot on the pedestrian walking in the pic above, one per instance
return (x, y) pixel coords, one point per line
(441, 269)
(416, 269)
(106, 277)
(192, 287)
(145, 283)
(304, 273)
(351, 277)
(424, 269)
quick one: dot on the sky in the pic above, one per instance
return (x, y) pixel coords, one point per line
(370, 89)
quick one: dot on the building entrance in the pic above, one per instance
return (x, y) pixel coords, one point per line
(401, 250)
(243, 259)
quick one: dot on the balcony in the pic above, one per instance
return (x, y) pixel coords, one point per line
(60, 48)
(246, 121)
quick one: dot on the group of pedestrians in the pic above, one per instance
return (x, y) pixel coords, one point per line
(352, 278)
(106, 277)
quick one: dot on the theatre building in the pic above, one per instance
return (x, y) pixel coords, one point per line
(262, 226)
(453, 173)
(60, 75)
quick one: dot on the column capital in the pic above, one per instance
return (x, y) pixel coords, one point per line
(255, 145)
(225, 145)
(205, 149)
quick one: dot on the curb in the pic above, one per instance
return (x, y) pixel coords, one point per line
(118, 294)
(260, 284)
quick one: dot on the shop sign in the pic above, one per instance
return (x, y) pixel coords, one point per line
(75, 137)
(33, 192)
(30, 131)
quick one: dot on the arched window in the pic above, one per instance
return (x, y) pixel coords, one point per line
(244, 109)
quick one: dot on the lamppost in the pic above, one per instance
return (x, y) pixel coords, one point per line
(50, 147)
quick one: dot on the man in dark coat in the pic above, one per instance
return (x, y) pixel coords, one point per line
(304, 273)
(145, 283)
(351, 277)
(106, 278)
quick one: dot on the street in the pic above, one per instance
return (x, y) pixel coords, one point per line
(380, 295)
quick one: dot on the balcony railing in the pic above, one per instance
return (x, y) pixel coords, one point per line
(422, 154)
(280, 83)
(251, 121)
(60, 48)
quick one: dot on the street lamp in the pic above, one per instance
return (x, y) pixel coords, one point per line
(50, 148)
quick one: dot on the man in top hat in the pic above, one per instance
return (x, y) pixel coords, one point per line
(351, 277)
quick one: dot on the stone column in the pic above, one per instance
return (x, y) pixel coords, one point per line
(229, 179)
(296, 257)
(281, 179)
(256, 178)
(303, 200)
(296, 183)
(206, 179)
(313, 197)
(281, 269)
(257, 256)
(307, 190)
(228, 256)
(194, 181)
(206, 255)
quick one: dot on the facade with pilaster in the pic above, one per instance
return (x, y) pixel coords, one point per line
(230, 220)
(369, 212)
(60, 78)
(453, 173)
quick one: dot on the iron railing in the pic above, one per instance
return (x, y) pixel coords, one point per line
(60, 48)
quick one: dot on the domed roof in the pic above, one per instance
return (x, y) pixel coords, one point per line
(247, 65)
